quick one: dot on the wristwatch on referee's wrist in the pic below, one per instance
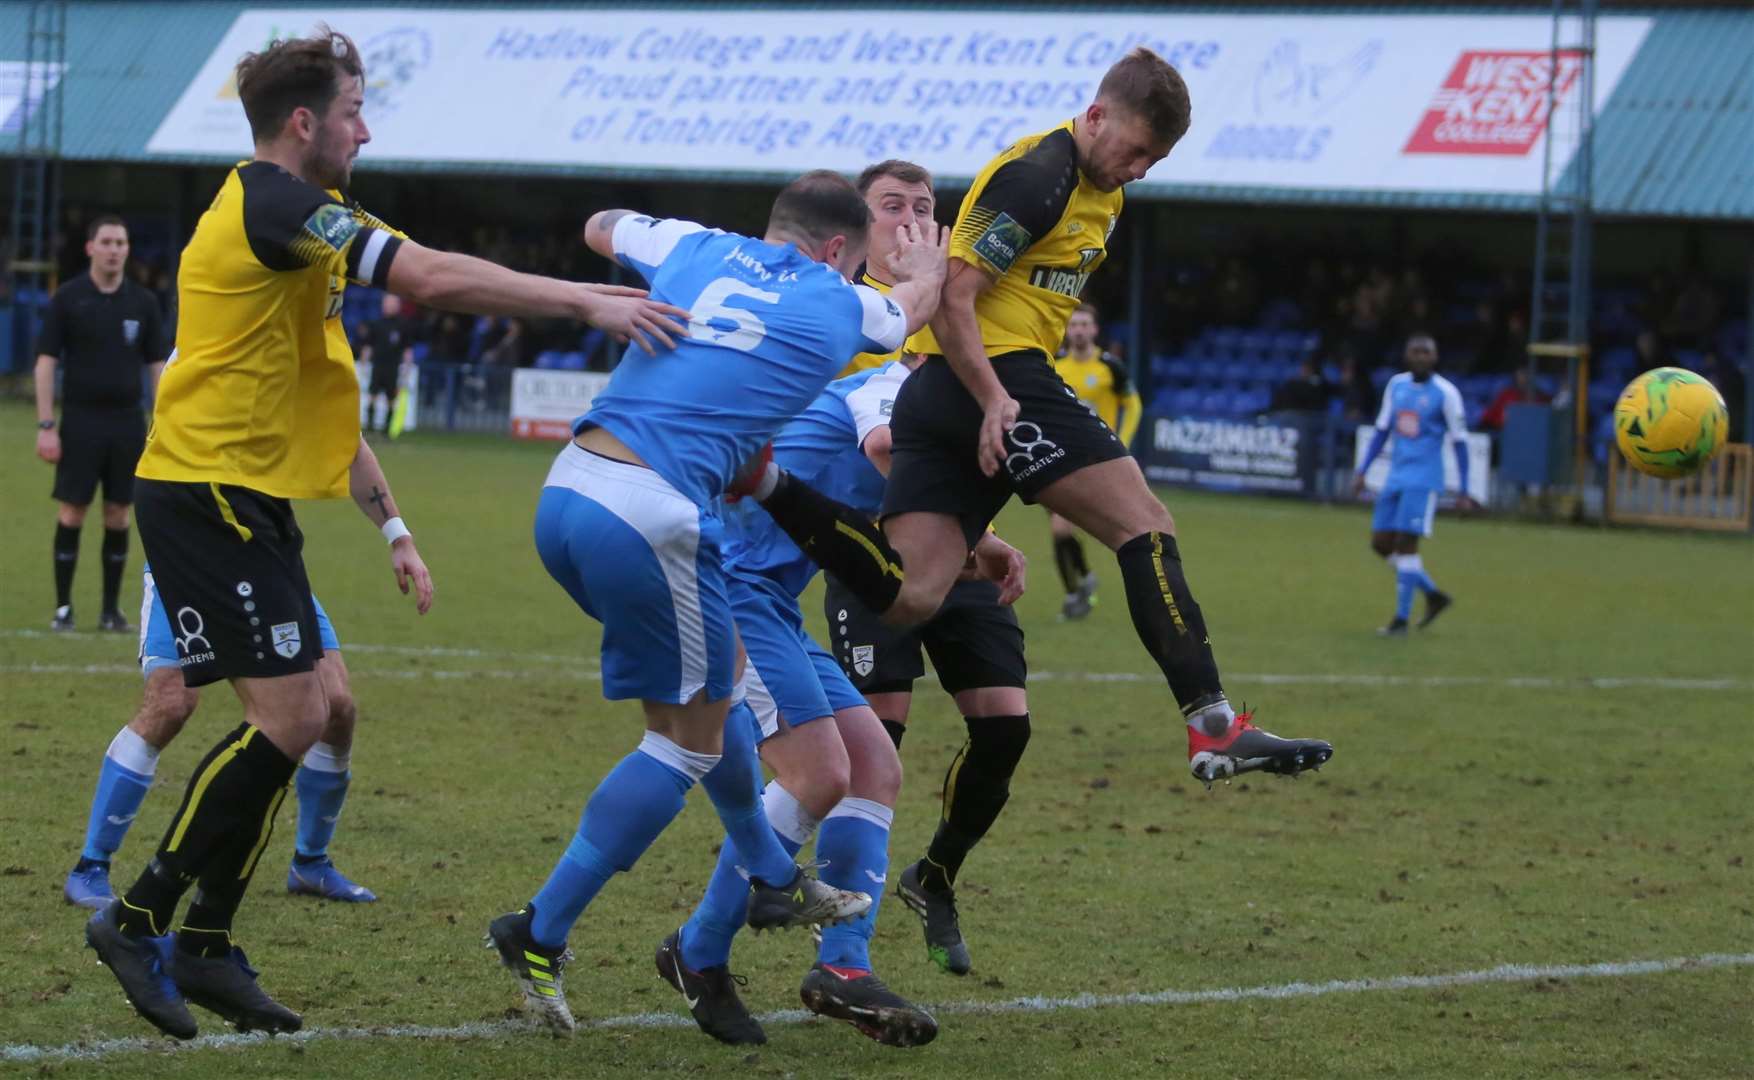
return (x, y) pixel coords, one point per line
(45, 425)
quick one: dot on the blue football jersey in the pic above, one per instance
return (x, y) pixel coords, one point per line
(769, 328)
(1421, 418)
(824, 447)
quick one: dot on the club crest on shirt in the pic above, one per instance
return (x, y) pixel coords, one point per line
(864, 659)
(286, 639)
(130, 330)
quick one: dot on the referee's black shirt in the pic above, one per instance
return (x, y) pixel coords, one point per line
(104, 342)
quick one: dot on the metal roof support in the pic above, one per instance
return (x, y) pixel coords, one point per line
(1559, 305)
(36, 186)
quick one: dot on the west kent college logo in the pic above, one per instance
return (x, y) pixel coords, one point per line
(1494, 102)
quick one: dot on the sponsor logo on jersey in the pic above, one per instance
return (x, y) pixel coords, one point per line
(333, 224)
(1002, 242)
(130, 330)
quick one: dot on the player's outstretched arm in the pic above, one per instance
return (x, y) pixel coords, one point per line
(453, 282)
(919, 264)
(371, 493)
(959, 335)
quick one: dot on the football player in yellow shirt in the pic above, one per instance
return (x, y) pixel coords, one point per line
(257, 408)
(1100, 380)
(985, 417)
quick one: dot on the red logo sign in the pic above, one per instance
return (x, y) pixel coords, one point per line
(1494, 102)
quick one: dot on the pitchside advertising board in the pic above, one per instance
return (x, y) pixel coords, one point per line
(1275, 455)
(545, 403)
(1278, 455)
(1451, 102)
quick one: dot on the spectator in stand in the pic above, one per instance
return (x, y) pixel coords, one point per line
(1357, 395)
(1693, 317)
(1305, 392)
(513, 347)
(452, 338)
(1236, 295)
(1521, 388)
(1652, 352)
(1727, 377)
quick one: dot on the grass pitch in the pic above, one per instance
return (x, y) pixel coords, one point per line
(1555, 774)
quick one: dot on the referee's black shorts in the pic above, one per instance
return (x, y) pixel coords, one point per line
(229, 566)
(973, 640)
(99, 446)
(935, 428)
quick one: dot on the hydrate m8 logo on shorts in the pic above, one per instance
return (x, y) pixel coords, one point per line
(192, 636)
(286, 639)
(1034, 452)
(864, 659)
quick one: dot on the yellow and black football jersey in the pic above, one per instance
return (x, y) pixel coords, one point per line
(865, 359)
(1101, 382)
(1034, 222)
(261, 392)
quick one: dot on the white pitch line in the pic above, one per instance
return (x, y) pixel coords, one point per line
(566, 671)
(27, 1053)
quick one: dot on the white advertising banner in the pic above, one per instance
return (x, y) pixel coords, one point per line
(545, 403)
(22, 89)
(1450, 102)
(1479, 466)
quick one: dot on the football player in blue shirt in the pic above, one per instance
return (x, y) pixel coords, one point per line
(1421, 411)
(628, 525)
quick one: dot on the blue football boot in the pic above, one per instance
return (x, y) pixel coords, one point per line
(321, 879)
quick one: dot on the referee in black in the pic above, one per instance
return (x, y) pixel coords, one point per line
(107, 330)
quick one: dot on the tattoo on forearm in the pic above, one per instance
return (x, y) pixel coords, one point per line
(379, 497)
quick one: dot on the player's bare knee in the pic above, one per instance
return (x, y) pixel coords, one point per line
(877, 775)
(165, 708)
(338, 729)
(1383, 544)
(115, 515)
(70, 515)
(916, 603)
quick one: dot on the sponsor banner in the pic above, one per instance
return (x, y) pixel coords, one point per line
(1451, 102)
(1479, 466)
(545, 403)
(1276, 455)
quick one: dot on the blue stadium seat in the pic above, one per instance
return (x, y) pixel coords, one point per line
(1211, 370)
(1226, 338)
(1251, 402)
(1380, 376)
(1163, 401)
(1186, 402)
(1215, 403)
(1691, 359)
(548, 359)
(1602, 395)
(1183, 370)
(1256, 341)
